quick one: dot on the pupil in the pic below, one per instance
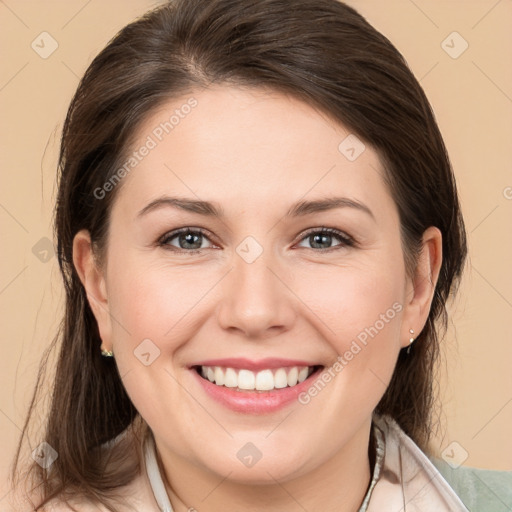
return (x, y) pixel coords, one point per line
(188, 238)
(317, 239)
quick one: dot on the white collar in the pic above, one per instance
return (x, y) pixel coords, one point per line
(155, 479)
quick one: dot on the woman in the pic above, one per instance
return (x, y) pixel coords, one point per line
(258, 230)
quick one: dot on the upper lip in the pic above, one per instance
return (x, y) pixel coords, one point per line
(248, 364)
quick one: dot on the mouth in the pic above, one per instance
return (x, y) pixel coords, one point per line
(255, 387)
(262, 381)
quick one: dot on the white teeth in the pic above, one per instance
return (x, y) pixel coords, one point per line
(219, 376)
(292, 376)
(303, 374)
(264, 380)
(230, 378)
(280, 378)
(246, 379)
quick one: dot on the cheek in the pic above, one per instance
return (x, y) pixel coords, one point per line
(358, 310)
(152, 307)
(350, 301)
(156, 301)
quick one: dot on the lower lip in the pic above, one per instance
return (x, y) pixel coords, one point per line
(255, 402)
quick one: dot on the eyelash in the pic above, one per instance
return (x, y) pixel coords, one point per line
(345, 240)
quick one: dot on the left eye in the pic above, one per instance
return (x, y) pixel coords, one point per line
(325, 236)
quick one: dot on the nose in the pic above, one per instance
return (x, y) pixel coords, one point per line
(256, 299)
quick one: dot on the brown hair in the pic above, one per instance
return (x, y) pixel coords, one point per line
(319, 51)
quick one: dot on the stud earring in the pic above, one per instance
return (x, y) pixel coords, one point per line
(107, 353)
(411, 339)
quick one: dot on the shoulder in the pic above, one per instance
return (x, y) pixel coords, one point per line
(21, 501)
(479, 489)
(408, 474)
(58, 505)
(462, 486)
(133, 497)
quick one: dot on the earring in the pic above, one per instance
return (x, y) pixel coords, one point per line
(107, 353)
(411, 339)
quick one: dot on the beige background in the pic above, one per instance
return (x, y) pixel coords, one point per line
(471, 96)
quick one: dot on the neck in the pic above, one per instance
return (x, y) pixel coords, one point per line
(338, 484)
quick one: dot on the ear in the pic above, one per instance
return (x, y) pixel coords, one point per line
(93, 280)
(420, 287)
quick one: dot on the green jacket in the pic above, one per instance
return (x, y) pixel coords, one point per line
(481, 490)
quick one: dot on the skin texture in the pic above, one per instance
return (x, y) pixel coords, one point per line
(255, 153)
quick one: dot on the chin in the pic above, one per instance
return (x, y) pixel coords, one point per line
(250, 465)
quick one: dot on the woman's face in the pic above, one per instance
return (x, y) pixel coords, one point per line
(269, 290)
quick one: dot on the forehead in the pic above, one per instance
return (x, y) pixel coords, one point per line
(247, 146)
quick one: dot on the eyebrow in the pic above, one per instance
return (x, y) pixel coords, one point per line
(320, 205)
(210, 209)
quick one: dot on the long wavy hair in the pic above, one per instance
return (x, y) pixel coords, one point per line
(321, 52)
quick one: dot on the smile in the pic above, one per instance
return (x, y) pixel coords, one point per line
(254, 387)
(269, 379)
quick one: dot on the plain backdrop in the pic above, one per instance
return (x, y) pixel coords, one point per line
(461, 53)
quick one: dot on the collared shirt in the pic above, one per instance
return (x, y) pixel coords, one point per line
(407, 480)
